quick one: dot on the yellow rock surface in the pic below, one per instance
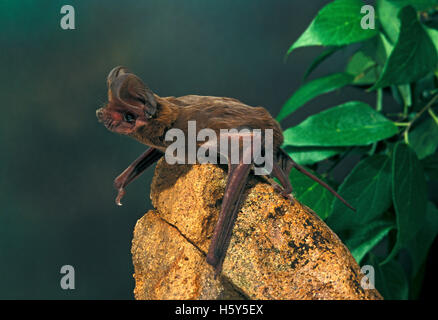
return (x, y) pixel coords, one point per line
(279, 249)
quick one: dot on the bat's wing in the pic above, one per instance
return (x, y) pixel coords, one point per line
(282, 168)
(234, 189)
(148, 158)
(282, 175)
(237, 178)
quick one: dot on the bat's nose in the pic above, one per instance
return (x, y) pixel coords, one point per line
(99, 114)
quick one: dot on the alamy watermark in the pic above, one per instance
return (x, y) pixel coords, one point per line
(367, 281)
(368, 20)
(233, 146)
(68, 279)
(68, 19)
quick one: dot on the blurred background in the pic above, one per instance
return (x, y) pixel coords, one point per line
(58, 163)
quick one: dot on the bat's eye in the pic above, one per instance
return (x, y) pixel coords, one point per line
(129, 117)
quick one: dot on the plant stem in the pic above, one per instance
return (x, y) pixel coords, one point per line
(418, 115)
(405, 109)
(379, 107)
(433, 115)
(401, 124)
(379, 99)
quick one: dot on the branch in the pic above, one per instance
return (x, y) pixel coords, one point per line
(418, 115)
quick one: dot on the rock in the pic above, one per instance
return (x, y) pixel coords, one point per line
(170, 267)
(279, 249)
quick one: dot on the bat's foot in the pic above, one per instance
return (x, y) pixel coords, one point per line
(119, 185)
(120, 195)
(278, 188)
(134, 170)
(285, 193)
(216, 264)
(217, 271)
(291, 199)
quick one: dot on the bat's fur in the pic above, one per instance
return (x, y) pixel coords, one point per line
(135, 111)
(209, 112)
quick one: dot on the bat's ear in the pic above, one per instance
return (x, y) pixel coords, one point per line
(128, 89)
(114, 73)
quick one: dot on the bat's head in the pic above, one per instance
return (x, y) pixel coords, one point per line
(131, 104)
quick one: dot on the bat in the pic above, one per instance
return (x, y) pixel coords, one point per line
(134, 110)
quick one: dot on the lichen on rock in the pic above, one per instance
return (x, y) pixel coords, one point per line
(279, 249)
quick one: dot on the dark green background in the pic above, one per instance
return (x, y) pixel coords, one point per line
(57, 162)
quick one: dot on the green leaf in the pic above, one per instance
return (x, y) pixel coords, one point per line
(414, 55)
(311, 155)
(424, 138)
(367, 237)
(396, 95)
(419, 245)
(310, 37)
(350, 124)
(409, 194)
(368, 189)
(363, 68)
(388, 10)
(422, 91)
(383, 49)
(377, 49)
(433, 34)
(337, 24)
(321, 58)
(430, 165)
(312, 89)
(387, 13)
(390, 279)
(311, 193)
(418, 4)
(367, 63)
(405, 93)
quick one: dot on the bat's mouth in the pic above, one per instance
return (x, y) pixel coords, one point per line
(109, 124)
(114, 122)
(103, 118)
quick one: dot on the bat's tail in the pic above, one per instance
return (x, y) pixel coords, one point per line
(287, 163)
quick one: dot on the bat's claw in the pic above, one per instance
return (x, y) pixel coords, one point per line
(119, 197)
(285, 194)
(217, 271)
(290, 198)
(278, 188)
(119, 184)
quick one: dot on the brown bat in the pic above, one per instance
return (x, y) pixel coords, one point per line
(134, 110)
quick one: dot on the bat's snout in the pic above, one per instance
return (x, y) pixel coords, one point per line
(99, 114)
